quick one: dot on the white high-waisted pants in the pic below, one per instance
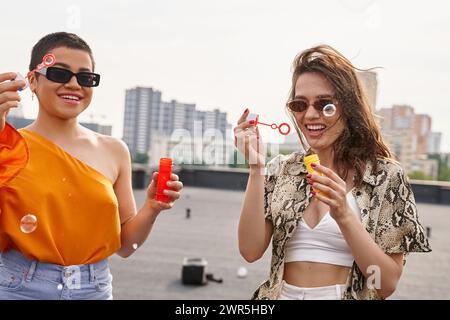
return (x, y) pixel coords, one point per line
(291, 292)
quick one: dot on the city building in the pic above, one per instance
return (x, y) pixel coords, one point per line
(157, 128)
(434, 142)
(370, 85)
(401, 144)
(176, 115)
(422, 133)
(410, 138)
(212, 120)
(142, 112)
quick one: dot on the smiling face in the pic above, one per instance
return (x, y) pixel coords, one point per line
(320, 131)
(64, 101)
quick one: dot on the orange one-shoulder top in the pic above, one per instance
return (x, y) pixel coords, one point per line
(53, 207)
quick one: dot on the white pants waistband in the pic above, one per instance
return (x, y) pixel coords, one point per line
(291, 292)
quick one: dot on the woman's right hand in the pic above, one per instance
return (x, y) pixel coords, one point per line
(9, 98)
(248, 141)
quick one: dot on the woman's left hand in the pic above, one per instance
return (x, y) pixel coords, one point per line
(174, 193)
(333, 191)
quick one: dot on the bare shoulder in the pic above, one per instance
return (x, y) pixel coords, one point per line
(113, 145)
(109, 146)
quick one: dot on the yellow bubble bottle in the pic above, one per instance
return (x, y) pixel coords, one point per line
(313, 158)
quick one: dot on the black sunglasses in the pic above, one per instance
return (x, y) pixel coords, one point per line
(60, 75)
(300, 105)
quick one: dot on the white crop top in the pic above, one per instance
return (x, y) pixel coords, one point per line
(324, 243)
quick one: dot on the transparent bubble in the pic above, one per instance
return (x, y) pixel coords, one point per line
(60, 286)
(242, 272)
(135, 246)
(329, 110)
(28, 223)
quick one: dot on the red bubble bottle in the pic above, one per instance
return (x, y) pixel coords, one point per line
(164, 173)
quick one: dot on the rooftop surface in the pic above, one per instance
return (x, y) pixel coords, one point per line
(154, 271)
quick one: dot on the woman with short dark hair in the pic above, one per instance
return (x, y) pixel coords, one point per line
(66, 201)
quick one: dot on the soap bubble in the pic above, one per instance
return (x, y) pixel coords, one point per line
(242, 272)
(329, 110)
(60, 286)
(28, 223)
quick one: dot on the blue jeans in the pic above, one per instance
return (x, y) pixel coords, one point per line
(23, 279)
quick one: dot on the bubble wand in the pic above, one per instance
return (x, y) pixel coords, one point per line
(47, 61)
(283, 128)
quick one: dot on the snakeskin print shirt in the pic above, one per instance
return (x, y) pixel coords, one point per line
(388, 213)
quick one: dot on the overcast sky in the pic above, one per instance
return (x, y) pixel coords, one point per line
(233, 54)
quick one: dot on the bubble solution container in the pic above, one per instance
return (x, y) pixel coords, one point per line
(314, 158)
(164, 173)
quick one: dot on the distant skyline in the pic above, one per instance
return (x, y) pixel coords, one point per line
(236, 54)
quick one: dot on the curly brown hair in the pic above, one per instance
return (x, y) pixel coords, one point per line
(361, 140)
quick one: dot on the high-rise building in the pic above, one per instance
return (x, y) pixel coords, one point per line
(177, 115)
(212, 120)
(434, 142)
(150, 123)
(410, 137)
(422, 132)
(175, 118)
(142, 112)
(401, 143)
(370, 85)
(403, 117)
